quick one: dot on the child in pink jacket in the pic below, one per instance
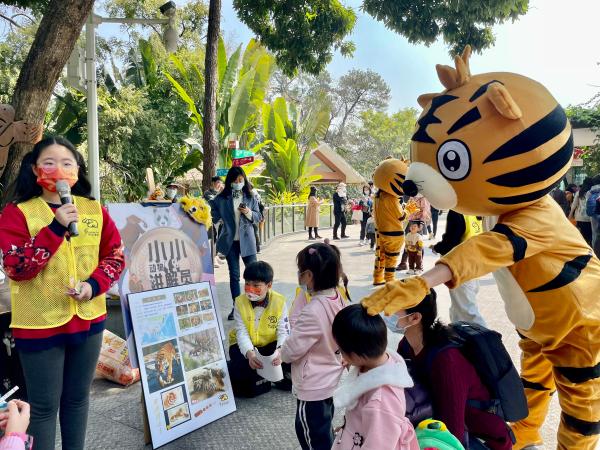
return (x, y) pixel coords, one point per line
(316, 363)
(373, 391)
(14, 421)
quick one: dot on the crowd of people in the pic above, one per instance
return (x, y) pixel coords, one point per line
(386, 394)
(581, 204)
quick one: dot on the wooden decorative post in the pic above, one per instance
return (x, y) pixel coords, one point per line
(12, 131)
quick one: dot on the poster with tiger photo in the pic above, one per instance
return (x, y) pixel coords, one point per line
(163, 248)
(182, 362)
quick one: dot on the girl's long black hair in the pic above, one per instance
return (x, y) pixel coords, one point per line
(233, 173)
(435, 333)
(313, 191)
(25, 186)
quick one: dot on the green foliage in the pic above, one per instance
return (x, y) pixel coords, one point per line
(285, 198)
(307, 128)
(36, 6)
(588, 117)
(377, 136)
(458, 22)
(356, 92)
(243, 83)
(289, 142)
(584, 117)
(13, 51)
(141, 124)
(288, 169)
(137, 132)
(302, 34)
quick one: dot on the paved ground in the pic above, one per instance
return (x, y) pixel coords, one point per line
(267, 422)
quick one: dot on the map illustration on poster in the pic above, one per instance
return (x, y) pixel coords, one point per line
(163, 248)
(183, 369)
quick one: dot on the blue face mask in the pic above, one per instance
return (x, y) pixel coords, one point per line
(237, 186)
(392, 323)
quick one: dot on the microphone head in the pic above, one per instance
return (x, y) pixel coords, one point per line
(63, 188)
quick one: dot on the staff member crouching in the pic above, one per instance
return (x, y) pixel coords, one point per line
(261, 327)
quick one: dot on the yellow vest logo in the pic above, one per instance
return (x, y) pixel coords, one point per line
(91, 227)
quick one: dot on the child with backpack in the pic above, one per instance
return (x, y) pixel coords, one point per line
(460, 398)
(311, 349)
(373, 391)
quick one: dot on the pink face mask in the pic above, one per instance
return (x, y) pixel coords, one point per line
(47, 177)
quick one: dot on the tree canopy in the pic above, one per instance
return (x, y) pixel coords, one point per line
(301, 34)
(458, 22)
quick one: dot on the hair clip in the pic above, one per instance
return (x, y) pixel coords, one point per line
(312, 251)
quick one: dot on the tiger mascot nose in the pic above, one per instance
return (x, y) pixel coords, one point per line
(410, 188)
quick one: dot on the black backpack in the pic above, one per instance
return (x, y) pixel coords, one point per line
(484, 349)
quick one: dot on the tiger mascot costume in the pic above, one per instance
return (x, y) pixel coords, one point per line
(495, 145)
(390, 218)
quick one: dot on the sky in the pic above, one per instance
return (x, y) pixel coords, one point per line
(555, 43)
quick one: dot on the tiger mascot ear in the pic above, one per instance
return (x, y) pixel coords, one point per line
(425, 99)
(499, 96)
(451, 77)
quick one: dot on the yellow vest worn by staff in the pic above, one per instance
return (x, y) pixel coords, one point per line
(267, 325)
(42, 302)
(473, 227)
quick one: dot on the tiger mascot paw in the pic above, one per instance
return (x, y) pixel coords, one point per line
(396, 295)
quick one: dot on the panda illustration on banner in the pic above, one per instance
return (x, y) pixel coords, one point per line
(495, 145)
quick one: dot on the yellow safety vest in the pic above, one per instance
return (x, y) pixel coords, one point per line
(341, 290)
(41, 302)
(267, 325)
(473, 227)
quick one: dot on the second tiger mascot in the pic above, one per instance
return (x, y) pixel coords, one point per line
(390, 218)
(495, 145)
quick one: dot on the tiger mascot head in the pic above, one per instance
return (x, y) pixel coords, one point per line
(488, 144)
(389, 176)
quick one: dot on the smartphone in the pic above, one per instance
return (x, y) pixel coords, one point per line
(242, 205)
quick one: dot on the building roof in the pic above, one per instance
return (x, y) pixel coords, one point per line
(583, 137)
(333, 168)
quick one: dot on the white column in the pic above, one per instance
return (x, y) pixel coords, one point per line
(92, 107)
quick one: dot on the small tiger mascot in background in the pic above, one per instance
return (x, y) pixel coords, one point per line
(390, 218)
(495, 145)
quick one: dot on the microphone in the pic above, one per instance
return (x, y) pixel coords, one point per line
(64, 192)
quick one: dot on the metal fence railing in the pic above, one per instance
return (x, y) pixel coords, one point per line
(285, 219)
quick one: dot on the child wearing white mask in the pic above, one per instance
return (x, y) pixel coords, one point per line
(261, 327)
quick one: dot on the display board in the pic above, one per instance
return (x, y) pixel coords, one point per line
(182, 360)
(163, 247)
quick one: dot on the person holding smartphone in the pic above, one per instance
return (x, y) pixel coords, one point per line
(239, 210)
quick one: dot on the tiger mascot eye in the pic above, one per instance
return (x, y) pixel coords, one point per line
(390, 218)
(495, 145)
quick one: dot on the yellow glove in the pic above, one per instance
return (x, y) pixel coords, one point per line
(411, 208)
(396, 295)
